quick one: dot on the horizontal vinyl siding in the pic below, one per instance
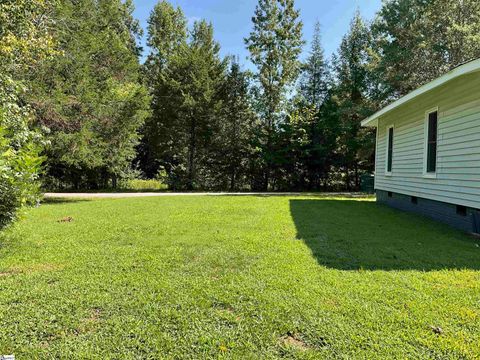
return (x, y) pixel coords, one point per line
(458, 160)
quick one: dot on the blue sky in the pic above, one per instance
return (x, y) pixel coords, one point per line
(232, 19)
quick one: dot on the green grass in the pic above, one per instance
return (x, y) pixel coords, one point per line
(237, 277)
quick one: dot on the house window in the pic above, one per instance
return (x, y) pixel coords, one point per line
(389, 150)
(432, 127)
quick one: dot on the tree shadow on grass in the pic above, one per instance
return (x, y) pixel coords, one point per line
(352, 235)
(63, 201)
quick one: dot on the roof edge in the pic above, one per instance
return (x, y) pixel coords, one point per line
(470, 67)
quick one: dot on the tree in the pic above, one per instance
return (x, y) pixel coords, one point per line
(89, 96)
(274, 44)
(202, 79)
(420, 40)
(353, 93)
(167, 32)
(232, 146)
(185, 109)
(167, 36)
(290, 145)
(310, 135)
(24, 41)
(314, 80)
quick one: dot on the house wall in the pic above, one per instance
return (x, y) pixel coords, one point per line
(457, 179)
(436, 210)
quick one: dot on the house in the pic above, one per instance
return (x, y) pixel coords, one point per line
(428, 149)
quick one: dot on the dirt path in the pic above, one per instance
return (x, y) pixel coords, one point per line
(153, 194)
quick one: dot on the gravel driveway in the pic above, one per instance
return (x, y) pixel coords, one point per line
(153, 194)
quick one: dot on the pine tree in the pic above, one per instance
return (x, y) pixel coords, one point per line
(166, 37)
(353, 90)
(185, 109)
(203, 77)
(309, 131)
(232, 145)
(167, 32)
(314, 80)
(274, 44)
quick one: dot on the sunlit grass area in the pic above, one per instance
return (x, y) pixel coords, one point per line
(237, 277)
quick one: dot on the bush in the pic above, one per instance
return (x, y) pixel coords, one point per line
(19, 154)
(143, 185)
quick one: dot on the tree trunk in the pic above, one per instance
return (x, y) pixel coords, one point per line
(266, 178)
(357, 180)
(232, 180)
(347, 177)
(191, 154)
(233, 173)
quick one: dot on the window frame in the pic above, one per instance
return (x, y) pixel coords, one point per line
(426, 173)
(389, 127)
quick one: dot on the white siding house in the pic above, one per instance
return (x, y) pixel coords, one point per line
(428, 149)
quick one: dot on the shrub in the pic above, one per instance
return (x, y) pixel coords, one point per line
(19, 154)
(143, 185)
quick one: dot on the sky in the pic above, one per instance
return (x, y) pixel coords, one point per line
(232, 20)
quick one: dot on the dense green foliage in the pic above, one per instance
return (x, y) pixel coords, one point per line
(89, 96)
(234, 157)
(314, 80)
(194, 83)
(24, 39)
(299, 128)
(237, 278)
(19, 154)
(71, 80)
(200, 122)
(274, 44)
(353, 93)
(418, 40)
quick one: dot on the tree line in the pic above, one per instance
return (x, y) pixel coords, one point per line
(78, 109)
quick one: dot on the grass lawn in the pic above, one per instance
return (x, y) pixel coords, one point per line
(237, 277)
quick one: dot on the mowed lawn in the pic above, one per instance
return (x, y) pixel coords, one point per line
(237, 277)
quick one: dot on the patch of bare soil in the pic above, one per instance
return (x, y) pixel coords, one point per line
(6, 273)
(95, 315)
(89, 324)
(436, 330)
(294, 341)
(34, 268)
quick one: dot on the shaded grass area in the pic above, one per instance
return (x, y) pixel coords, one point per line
(355, 235)
(237, 277)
